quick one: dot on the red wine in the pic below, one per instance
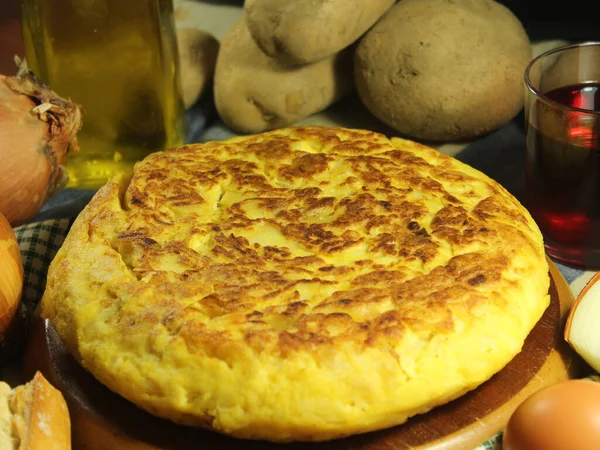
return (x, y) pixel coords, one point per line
(563, 174)
(582, 96)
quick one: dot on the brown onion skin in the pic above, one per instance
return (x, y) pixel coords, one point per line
(11, 289)
(26, 171)
(37, 130)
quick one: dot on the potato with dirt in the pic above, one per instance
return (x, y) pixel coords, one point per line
(306, 31)
(443, 70)
(254, 92)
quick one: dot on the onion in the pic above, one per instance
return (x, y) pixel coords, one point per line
(581, 330)
(11, 280)
(37, 129)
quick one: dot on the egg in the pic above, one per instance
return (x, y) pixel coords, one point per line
(563, 416)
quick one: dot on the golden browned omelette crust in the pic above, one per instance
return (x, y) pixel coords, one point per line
(301, 284)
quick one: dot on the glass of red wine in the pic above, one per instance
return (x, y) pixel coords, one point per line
(562, 114)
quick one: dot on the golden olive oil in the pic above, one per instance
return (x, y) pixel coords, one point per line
(118, 60)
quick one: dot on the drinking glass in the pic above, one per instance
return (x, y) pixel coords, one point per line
(562, 114)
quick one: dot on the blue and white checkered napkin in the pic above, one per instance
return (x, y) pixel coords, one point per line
(38, 243)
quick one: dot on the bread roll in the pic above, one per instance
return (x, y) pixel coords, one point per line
(33, 416)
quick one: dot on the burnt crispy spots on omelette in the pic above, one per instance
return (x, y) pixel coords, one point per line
(301, 284)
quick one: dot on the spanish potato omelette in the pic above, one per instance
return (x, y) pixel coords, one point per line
(301, 284)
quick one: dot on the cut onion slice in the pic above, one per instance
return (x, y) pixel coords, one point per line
(582, 330)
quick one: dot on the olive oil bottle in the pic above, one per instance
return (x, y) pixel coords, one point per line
(118, 60)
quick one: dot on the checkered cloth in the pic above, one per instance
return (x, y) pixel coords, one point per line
(38, 243)
(493, 444)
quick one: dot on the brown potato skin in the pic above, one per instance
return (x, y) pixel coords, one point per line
(197, 58)
(443, 71)
(306, 31)
(254, 93)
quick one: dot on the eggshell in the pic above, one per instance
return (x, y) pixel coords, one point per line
(564, 416)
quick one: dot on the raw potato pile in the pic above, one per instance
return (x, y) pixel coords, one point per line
(286, 60)
(435, 70)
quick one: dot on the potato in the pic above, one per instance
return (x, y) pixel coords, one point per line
(197, 59)
(443, 70)
(305, 31)
(254, 92)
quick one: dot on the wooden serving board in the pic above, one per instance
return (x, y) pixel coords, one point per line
(102, 420)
